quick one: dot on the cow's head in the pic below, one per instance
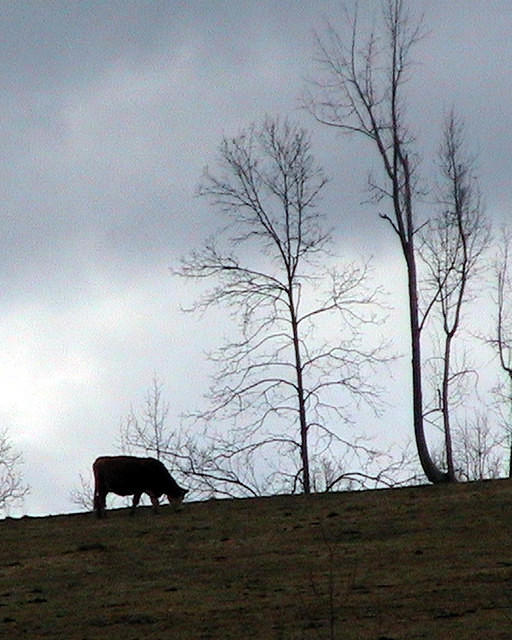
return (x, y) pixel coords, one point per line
(177, 496)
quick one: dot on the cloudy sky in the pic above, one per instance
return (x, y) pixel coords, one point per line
(109, 113)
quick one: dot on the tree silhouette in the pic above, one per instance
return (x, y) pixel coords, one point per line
(286, 383)
(359, 89)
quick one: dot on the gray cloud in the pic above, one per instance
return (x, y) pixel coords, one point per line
(110, 111)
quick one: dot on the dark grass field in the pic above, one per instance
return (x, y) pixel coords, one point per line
(425, 562)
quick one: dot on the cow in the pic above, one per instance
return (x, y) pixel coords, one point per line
(129, 475)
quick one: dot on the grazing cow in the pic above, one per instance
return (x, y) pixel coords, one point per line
(128, 475)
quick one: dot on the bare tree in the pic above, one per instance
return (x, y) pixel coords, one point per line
(502, 339)
(452, 245)
(478, 449)
(287, 382)
(148, 431)
(83, 496)
(12, 487)
(360, 90)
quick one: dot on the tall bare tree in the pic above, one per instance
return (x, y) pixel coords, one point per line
(453, 243)
(286, 383)
(502, 339)
(359, 90)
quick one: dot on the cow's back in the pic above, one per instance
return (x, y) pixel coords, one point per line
(127, 474)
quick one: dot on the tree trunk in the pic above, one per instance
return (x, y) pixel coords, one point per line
(433, 474)
(304, 454)
(445, 410)
(510, 458)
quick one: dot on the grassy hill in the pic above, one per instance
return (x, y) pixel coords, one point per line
(425, 562)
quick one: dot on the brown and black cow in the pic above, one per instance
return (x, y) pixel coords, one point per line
(129, 475)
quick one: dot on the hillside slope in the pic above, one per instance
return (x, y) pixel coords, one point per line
(425, 562)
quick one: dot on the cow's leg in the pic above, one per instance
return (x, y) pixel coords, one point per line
(99, 492)
(154, 502)
(135, 502)
(97, 509)
(99, 503)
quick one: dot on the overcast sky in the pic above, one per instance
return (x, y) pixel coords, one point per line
(109, 113)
